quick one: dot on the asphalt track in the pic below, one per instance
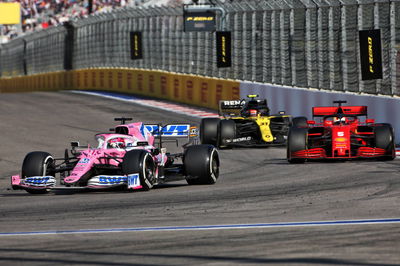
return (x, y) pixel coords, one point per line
(312, 214)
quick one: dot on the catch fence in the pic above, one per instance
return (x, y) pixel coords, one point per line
(300, 43)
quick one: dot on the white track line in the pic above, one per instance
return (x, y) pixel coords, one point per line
(208, 227)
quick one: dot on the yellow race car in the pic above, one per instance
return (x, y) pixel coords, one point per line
(246, 123)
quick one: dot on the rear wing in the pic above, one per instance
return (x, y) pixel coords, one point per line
(231, 108)
(172, 130)
(333, 110)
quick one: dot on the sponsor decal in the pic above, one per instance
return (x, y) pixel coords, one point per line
(199, 21)
(129, 79)
(169, 130)
(218, 93)
(93, 79)
(194, 132)
(134, 181)
(163, 85)
(78, 80)
(176, 88)
(370, 54)
(189, 90)
(136, 45)
(110, 80)
(236, 92)
(40, 181)
(112, 180)
(119, 78)
(140, 82)
(84, 160)
(102, 79)
(204, 92)
(223, 43)
(85, 79)
(238, 139)
(151, 84)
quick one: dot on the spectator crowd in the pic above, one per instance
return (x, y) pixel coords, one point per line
(41, 14)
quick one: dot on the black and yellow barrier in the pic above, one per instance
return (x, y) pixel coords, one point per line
(190, 89)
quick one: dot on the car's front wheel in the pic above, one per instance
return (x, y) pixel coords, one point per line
(140, 162)
(297, 141)
(384, 139)
(37, 163)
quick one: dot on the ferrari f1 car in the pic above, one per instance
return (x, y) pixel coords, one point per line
(245, 123)
(339, 135)
(131, 157)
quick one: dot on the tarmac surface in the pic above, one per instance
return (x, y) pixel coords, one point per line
(256, 186)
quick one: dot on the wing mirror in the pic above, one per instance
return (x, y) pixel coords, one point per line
(74, 144)
(311, 122)
(370, 121)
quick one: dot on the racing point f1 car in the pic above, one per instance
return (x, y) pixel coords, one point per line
(339, 135)
(128, 158)
(245, 123)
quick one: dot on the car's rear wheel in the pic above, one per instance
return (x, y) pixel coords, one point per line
(297, 141)
(37, 163)
(226, 131)
(140, 162)
(208, 131)
(201, 163)
(384, 139)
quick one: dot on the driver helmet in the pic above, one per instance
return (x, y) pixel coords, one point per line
(116, 143)
(253, 112)
(338, 120)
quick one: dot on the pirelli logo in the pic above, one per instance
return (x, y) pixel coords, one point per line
(370, 54)
(200, 18)
(136, 45)
(199, 21)
(223, 45)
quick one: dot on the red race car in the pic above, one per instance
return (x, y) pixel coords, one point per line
(339, 135)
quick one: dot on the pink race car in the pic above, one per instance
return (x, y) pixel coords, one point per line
(128, 158)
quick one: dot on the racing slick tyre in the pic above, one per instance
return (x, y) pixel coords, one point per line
(297, 141)
(226, 130)
(37, 163)
(300, 121)
(201, 164)
(208, 131)
(140, 161)
(384, 139)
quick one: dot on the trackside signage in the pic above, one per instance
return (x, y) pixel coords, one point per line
(199, 21)
(223, 43)
(370, 54)
(136, 45)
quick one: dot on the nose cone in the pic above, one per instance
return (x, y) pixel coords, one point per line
(81, 168)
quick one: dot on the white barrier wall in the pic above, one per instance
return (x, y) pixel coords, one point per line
(298, 102)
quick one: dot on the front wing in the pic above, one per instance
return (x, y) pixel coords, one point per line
(320, 153)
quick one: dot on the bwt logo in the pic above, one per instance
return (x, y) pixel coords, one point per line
(112, 180)
(37, 180)
(169, 130)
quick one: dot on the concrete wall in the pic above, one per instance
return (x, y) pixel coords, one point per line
(298, 102)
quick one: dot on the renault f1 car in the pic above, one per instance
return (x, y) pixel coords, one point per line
(245, 123)
(131, 157)
(339, 135)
